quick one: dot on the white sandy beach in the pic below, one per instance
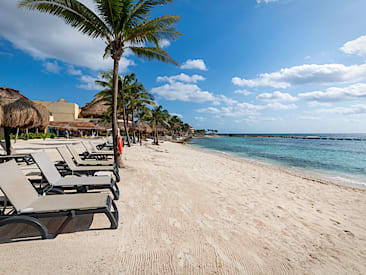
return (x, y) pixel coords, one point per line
(186, 211)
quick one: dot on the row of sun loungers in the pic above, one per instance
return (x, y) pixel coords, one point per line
(57, 195)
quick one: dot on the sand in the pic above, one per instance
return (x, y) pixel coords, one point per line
(187, 211)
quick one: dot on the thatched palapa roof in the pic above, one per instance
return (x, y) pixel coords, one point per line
(160, 128)
(140, 126)
(96, 108)
(20, 112)
(73, 125)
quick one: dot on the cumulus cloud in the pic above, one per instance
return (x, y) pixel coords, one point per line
(71, 70)
(52, 67)
(164, 43)
(307, 74)
(335, 94)
(276, 96)
(242, 92)
(224, 99)
(357, 46)
(356, 109)
(245, 109)
(47, 37)
(184, 92)
(198, 64)
(181, 77)
(88, 83)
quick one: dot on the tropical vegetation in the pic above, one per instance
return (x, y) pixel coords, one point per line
(124, 25)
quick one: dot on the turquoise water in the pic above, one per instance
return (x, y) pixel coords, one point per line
(340, 159)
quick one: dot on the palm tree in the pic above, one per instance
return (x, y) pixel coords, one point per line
(157, 117)
(138, 97)
(106, 95)
(123, 25)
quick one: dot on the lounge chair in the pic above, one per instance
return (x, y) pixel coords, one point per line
(28, 207)
(80, 161)
(73, 169)
(92, 153)
(56, 181)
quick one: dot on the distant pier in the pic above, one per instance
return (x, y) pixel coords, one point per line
(295, 137)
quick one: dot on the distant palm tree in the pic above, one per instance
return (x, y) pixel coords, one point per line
(106, 95)
(123, 25)
(157, 117)
(137, 97)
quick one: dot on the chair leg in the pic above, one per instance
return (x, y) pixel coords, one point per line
(115, 190)
(27, 220)
(112, 216)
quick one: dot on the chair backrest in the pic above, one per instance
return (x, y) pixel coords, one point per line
(74, 153)
(65, 154)
(47, 167)
(16, 186)
(87, 147)
(92, 147)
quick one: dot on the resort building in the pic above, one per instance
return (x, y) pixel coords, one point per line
(61, 110)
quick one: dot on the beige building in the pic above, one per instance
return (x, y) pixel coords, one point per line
(61, 110)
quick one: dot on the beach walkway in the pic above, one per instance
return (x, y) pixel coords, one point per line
(185, 211)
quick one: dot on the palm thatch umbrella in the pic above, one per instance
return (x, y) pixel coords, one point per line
(141, 127)
(160, 129)
(96, 108)
(20, 112)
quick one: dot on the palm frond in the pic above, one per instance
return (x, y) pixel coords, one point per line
(154, 31)
(110, 10)
(73, 13)
(142, 9)
(153, 53)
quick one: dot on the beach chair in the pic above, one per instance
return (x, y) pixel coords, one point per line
(28, 207)
(80, 161)
(72, 169)
(90, 153)
(81, 184)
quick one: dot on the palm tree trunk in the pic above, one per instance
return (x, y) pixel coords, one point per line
(7, 140)
(125, 120)
(117, 156)
(134, 133)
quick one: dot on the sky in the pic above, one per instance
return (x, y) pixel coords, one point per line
(245, 66)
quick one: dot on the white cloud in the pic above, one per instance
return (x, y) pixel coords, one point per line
(307, 74)
(199, 118)
(356, 109)
(178, 115)
(198, 64)
(181, 77)
(279, 106)
(164, 43)
(45, 36)
(211, 110)
(357, 46)
(276, 96)
(245, 109)
(89, 83)
(52, 67)
(335, 94)
(71, 70)
(183, 92)
(225, 100)
(307, 57)
(242, 92)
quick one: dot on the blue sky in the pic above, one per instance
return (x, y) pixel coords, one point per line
(246, 66)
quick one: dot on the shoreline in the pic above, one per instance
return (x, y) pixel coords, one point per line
(317, 176)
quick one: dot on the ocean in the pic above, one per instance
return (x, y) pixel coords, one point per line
(339, 157)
